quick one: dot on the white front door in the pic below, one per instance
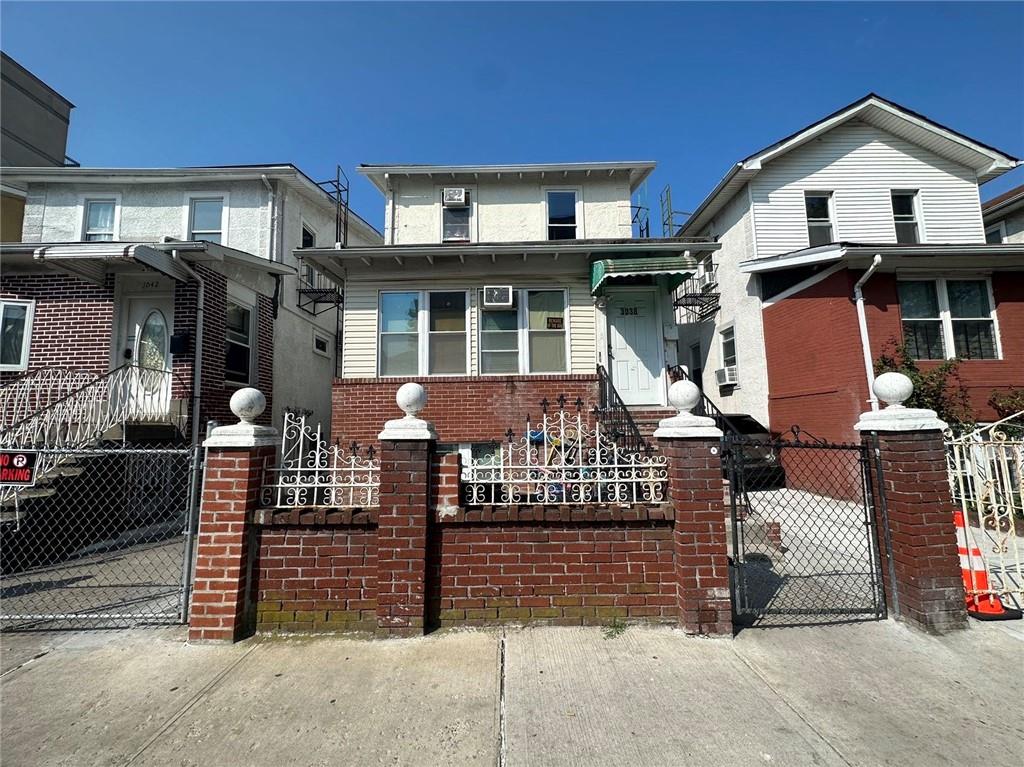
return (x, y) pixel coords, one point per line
(146, 345)
(635, 347)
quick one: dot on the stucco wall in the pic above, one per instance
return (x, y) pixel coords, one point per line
(509, 210)
(741, 308)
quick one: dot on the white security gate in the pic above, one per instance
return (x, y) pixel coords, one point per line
(986, 475)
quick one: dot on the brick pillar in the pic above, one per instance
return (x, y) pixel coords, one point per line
(236, 459)
(406, 451)
(692, 445)
(923, 583)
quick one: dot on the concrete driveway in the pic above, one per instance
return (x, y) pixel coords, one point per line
(866, 694)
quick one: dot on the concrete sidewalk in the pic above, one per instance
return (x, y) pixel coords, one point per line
(867, 694)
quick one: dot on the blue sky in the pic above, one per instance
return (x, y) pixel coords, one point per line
(692, 86)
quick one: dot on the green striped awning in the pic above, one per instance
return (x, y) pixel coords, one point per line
(678, 267)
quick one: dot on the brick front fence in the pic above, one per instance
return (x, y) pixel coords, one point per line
(420, 557)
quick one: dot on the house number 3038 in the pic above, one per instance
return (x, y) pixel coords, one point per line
(627, 310)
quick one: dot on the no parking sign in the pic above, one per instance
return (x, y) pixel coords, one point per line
(18, 468)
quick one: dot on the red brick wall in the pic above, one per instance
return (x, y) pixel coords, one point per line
(317, 578)
(462, 409)
(567, 574)
(816, 375)
(73, 320)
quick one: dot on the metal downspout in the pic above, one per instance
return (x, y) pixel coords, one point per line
(858, 296)
(272, 217)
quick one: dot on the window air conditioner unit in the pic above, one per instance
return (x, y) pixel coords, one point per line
(704, 279)
(454, 197)
(497, 296)
(727, 376)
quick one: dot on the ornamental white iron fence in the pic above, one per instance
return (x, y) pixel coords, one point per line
(564, 460)
(311, 472)
(69, 418)
(986, 477)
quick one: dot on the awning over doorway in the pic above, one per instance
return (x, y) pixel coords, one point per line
(677, 267)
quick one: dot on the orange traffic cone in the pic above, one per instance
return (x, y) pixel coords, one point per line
(980, 605)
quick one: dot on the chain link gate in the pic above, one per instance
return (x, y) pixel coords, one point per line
(803, 546)
(104, 539)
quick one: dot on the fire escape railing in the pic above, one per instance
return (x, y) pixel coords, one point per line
(698, 296)
(615, 417)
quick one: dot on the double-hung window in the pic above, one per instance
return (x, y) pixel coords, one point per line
(455, 220)
(15, 334)
(205, 219)
(996, 234)
(422, 333)
(99, 220)
(728, 347)
(948, 318)
(818, 206)
(528, 337)
(238, 342)
(904, 214)
(561, 209)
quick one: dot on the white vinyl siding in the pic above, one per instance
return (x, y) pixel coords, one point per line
(861, 165)
(360, 318)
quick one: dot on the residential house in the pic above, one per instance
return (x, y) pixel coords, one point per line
(189, 270)
(503, 288)
(34, 133)
(1004, 217)
(856, 234)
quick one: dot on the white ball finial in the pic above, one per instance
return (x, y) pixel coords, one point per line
(411, 398)
(248, 404)
(893, 388)
(684, 396)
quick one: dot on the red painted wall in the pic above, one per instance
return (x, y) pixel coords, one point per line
(462, 409)
(816, 373)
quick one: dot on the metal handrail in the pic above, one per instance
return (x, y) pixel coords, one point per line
(128, 394)
(705, 407)
(37, 389)
(613, 413)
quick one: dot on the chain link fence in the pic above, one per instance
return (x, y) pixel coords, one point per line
(102, 540)
(802, 536)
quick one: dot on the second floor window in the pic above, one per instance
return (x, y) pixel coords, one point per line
(99, 220)
(728, 347)
(904, 213)
(562, 215)
(819, 218)
(205, 219)
(455, 222)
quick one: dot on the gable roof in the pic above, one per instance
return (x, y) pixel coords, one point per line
(638, 171)
(999, 206)
(889, 116)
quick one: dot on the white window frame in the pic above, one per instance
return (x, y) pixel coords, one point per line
(473, 203)
(244, 297)
(26, 341)
(523, 332)
(319, 336)
(918, 214)
(576, 190)
(998, 227)
(224, 213)
(948, 340)
(731, 326)
(83, 210)
(831, 214)
(423, 333)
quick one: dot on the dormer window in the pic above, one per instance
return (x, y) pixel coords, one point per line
(819, 218)
(562, 214)
(904, 214)
(455, 215)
